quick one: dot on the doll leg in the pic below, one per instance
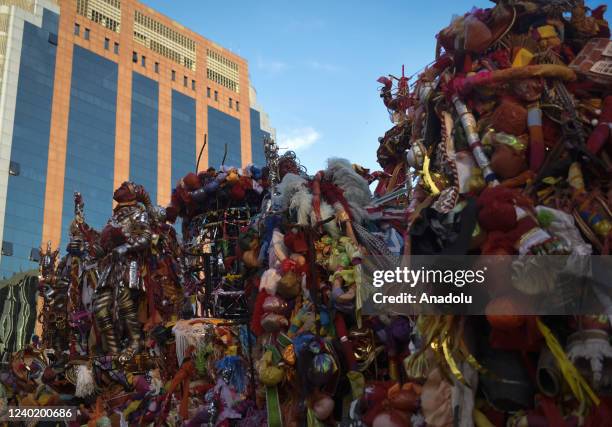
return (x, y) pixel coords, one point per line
(128, 312)
(104, 318)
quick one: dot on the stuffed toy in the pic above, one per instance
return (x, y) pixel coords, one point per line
(502, 210)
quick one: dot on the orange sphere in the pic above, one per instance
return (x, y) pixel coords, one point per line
(502, 313)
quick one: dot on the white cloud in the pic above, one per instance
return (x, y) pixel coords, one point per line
(322, 66)
(271, 66)
(298, 139)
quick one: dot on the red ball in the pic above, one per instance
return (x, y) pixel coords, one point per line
(503, 313)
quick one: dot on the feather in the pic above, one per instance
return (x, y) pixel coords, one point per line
(287, 188)
(301, 203)
(296, 195)
(331, 227)
(85, 385)
(356, 189)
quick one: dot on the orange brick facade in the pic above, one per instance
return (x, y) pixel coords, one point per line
(52, 227)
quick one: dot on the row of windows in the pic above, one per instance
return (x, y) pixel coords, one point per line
(216, 56)
(115, 3)
(211, 74)
(222, 70)
(222, 80)
(86, 36)
(148, 31)
(7, 250)
(77, 31)
(164, 40)
(169, 53)
(21, 241)
(107, 45)
(163, 30)
(100, 18)
(143, 62)
(104, 12)
(230, 102)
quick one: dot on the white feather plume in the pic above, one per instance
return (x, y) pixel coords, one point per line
(301, 203)
(287, 188)
(326, 211)
(85, 385)
(356, 190)
(296, 195)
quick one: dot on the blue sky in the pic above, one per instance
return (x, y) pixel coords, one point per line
(315, 63)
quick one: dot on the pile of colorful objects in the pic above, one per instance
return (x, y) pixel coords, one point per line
(126, 336)
(501, 149)
(260, 314)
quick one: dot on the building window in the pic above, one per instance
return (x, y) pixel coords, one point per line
(35, 255)
(222, 71)
(52, 39)
(14, 168)
(143, 61)
(173, 75)
(106, 43)
(77, 29)
(116, 48)
(104, 12)
(134, 57)
(208, 92)
(231, 103)
(156, 67)
(185, 81)
(7, 248)
(193, 84)
(216, 96)
(237, 106)
(163, 40)
(86, 34)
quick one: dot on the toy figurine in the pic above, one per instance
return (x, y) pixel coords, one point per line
(126, 241)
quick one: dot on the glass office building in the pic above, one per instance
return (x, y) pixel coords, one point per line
(96, 92)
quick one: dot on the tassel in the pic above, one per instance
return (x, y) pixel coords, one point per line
(85, 385)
